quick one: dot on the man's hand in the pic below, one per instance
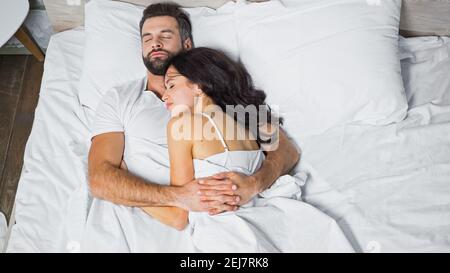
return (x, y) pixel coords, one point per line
(219, 196)
(244, 187)
(276, 164)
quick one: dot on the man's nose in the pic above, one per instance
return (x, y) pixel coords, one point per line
(157, 44)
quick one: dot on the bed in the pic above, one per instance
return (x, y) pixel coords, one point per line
(386, 186)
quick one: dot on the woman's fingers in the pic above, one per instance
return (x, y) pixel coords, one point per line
(229, 199)
(215, 182)
(222, 187)
(218, 206)
(215, 211)
(211, 204)
(215, 192)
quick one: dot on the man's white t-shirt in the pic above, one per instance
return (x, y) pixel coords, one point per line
(143, 118)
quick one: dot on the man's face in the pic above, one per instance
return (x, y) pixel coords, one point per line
(161, 41)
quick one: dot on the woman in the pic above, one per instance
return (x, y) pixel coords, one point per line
(218, 120)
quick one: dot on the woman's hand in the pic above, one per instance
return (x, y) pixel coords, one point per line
(277, 163)
(193, 196)
(239, 188)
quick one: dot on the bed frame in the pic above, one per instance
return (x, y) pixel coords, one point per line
(419, 17)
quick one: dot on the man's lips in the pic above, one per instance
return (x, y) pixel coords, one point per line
(158, 54)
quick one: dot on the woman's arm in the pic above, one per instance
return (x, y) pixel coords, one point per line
(181, 172)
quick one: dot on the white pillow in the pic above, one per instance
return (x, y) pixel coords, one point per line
(113, 46)
(325, 63)
(426, 69)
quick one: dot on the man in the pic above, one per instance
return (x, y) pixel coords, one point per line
(132, 119)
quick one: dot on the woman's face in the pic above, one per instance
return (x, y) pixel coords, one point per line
(180, 94)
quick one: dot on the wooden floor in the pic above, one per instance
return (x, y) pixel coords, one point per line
(20, 80)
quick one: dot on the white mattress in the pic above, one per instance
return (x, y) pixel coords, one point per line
(388, 187)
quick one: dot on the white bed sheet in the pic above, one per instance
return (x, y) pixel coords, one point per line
(388, 187)
(54, 160)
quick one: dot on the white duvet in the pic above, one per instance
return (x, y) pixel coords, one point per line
(274, 221)
(388, 188)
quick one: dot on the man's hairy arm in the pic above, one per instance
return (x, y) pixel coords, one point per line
(278, 162)
(108, 181)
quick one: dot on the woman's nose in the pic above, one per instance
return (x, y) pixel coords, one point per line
(165, 96)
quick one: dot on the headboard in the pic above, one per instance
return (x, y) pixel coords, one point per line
(419, 17)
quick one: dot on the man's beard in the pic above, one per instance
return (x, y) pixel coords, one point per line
(157, 66)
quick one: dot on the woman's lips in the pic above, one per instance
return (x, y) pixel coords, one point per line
(168, 105)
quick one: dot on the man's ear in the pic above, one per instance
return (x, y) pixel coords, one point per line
(187, 44)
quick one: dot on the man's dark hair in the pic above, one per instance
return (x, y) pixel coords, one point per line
(172, 10)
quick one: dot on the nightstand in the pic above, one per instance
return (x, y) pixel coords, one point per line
(12, 16)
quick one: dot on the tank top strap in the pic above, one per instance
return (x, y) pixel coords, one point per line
(219, 133)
